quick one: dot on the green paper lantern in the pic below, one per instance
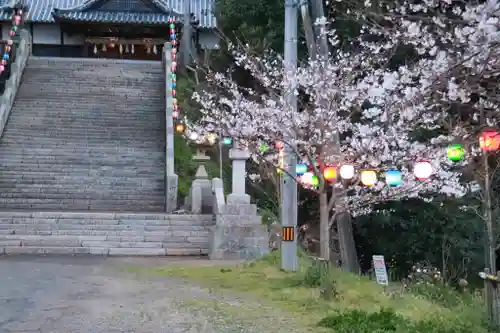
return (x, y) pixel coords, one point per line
(227, 141)
(455, 152)
(263, 147)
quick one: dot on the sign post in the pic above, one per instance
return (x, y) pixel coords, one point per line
(380, 270)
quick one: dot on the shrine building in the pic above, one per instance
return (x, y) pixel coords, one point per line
(127, 29)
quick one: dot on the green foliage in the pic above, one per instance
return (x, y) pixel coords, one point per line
(440, 294)
(357, 321)
(415, 231)
(258, 23)
(386, 320)
(186, 168)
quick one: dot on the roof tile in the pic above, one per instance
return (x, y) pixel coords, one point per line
(40, 11)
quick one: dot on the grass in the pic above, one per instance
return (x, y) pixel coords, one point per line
(264, 281)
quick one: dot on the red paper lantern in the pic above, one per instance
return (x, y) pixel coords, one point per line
(489, 141)
(279, 145)
(330, 174)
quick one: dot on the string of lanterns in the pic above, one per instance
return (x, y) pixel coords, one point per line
(17, 16)
(179, 127)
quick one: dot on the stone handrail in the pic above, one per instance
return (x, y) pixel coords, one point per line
(218, 192)
(23, 51)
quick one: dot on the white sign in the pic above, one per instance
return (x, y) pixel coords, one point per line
(380, 270)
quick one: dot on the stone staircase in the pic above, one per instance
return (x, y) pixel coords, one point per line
(104, 233)
(82, 164)
(86, 135)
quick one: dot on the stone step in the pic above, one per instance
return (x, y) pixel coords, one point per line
(27, 172)
(83, 204)
(174, 219)
(135, 226)
(103, 251)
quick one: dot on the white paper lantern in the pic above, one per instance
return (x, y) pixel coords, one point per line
(422, 170)
(347, 171)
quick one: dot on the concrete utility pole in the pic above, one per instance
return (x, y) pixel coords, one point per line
(289, 260)
(187, 34)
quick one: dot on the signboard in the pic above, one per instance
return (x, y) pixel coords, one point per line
(380, 270)
(288, 234)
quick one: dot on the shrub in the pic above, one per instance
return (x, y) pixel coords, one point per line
(357, 321)
(387, 321)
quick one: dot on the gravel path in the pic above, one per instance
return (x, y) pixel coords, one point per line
(90, 295)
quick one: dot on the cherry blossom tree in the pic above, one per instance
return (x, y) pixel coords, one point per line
(357, 107)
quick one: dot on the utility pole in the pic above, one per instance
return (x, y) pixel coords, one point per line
(187, 34)
(289, 260)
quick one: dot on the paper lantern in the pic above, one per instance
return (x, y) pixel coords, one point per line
(393, 177)
(309, 179)
(346, 171)
(193, 136)
(455, 152)
(2, 68)
(10, 42)
(212, 138)
(489, 141)
(300, 169)
(330, 174)
(227, 141)
(175, 114)
(179, 128)
(12, 33)
(422, 170)
(279, 145)
(6, 56)
(368, 177)
(263, 147)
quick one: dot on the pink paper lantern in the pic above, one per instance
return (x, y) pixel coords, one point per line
(2, 68)
(10, 42)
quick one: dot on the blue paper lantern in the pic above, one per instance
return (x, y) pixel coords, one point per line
(5, 56)
(300, 169)
(393, 177)
(173, 36)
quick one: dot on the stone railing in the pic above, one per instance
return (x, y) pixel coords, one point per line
(218, 195)
(171, 179)
(23, 51)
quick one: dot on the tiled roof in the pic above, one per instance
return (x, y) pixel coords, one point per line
(40, 11)
(118, 17)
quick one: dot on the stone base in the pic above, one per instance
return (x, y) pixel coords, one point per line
(238, 242)
(171, 193)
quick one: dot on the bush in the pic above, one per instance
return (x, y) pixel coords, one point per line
(386, 321)
(357, 321)
(318, 274)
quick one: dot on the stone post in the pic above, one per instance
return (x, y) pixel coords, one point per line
(171, 178)
(201, 188)
(238, 194)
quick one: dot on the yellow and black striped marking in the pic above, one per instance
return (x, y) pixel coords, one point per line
(288, 234)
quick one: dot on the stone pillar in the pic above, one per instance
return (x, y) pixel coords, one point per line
(171, 178)
(201, 188)
(238, 194)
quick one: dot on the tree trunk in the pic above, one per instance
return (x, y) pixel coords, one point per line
(348, 252)
(324, 228)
